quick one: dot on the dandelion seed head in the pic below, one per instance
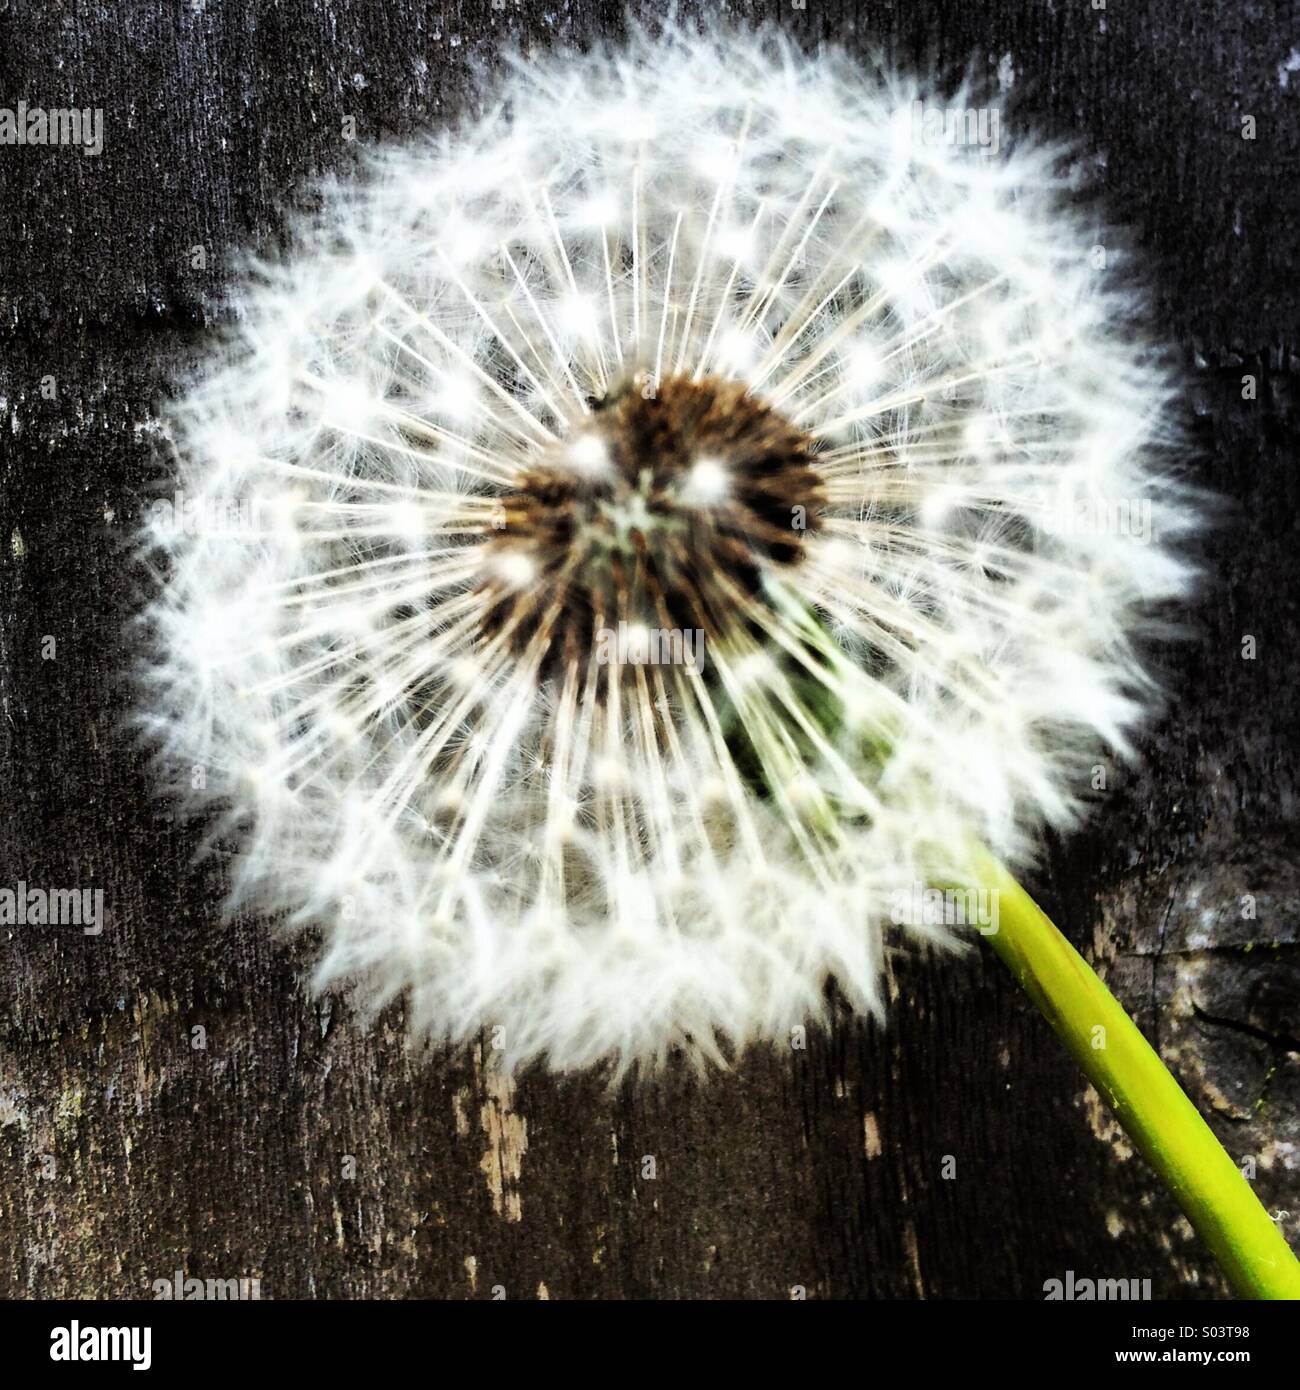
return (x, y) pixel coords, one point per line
(674, 512)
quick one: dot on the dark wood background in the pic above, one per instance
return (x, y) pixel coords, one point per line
(326, 1163)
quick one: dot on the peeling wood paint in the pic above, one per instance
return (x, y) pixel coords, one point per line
(871, 1136)
(507, 1142)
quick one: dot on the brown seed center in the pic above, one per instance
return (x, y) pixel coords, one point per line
(661, 511)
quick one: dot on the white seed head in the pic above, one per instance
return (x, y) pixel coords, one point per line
(674, 514)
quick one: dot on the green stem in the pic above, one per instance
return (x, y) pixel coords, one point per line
(1146, 1099)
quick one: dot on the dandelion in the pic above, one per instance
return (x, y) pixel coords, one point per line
(686, 348)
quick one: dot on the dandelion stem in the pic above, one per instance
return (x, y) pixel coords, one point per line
(1144, 1096)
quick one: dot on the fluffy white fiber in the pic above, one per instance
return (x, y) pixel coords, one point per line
(512, 835)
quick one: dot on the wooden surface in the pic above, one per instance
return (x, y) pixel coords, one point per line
(293, 1150)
